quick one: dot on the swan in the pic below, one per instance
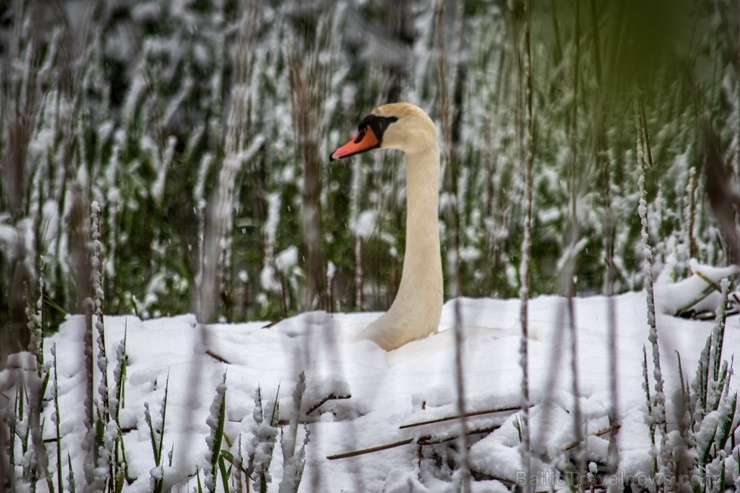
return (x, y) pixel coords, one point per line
(416, 311)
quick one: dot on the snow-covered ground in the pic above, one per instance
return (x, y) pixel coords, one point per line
(385, 391)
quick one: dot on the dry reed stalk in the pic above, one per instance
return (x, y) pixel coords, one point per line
(603, 163)
(571, 267)
(658, 412)
(454, 265)
(421, 440)
(524, 270)
(468, 415)
(305, 119)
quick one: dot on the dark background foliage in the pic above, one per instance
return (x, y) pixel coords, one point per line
(204, 120)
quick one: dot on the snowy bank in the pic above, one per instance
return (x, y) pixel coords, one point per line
(359, 398)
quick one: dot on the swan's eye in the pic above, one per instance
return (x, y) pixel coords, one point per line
(361, 131)
(378, 124)
(384, 122)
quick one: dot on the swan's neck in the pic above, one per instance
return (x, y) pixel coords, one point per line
(417, 308)
(422, 266)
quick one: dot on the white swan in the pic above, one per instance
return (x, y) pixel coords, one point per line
(416, 311)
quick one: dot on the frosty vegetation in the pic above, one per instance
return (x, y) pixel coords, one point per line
(198, 133)
(157, 109)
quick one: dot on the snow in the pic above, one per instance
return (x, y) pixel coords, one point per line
(358, 396)
(365, 224)
(287, 259)
(671, 297)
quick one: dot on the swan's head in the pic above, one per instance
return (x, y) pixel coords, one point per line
(401, 126)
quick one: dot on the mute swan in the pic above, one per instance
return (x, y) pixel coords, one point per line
(416, 311)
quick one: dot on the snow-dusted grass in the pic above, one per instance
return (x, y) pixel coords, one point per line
(194, 124)
(242, 423)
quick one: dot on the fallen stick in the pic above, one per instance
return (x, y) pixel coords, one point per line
(432, 440)
(370, 450)
(467, 415)
(330, 397)
(597, 434)
(422, 440)
(707, 280)
(218, 358)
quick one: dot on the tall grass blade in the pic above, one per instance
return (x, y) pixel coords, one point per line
(649, 404)
(225, 473)
(263, 442)
(72, 484)
(163, 417)
(215, 421)
(724, 427)
(57, 421)
(294, 462)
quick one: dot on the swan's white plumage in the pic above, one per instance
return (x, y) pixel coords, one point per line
(416, 311)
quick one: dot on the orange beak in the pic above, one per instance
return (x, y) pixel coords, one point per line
(363, 141)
